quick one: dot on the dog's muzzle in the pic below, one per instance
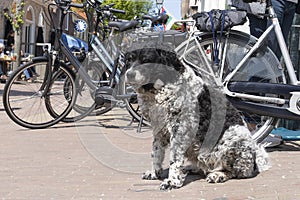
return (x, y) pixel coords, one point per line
(135, 77)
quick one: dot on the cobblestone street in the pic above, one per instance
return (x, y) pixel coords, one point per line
(103, 158)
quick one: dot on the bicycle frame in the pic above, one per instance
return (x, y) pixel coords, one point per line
(289, 109)
(101, 52)
(291, 112)
(105, 57)
(98, 48)
(284, 50)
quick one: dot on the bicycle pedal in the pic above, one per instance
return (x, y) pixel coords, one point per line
(121, 104)
(104, 95)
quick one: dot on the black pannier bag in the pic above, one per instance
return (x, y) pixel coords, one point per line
(219, 20)
(298, 8)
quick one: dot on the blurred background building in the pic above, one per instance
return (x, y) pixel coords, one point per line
(36, 27)
(190, 7)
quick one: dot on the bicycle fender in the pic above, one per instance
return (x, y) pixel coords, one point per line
(39, 59)
(295, 103)
(263, 109)
(260, 87)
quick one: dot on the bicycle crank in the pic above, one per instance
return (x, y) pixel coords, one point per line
(104, 95)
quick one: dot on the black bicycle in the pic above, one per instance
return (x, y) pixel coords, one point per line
(63, 78)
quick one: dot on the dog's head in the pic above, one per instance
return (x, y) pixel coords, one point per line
(152, 66)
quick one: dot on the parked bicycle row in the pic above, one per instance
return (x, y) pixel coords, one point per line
(77, 77)
(73, 85)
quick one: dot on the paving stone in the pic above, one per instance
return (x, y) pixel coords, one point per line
(101, 157)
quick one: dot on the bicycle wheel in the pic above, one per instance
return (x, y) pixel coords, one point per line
(131, 101)
(229, 51)
(85, 97)
(27, 102)
(101, 77)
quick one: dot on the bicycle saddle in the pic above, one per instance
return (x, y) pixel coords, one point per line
(123, 26)
(160, 18)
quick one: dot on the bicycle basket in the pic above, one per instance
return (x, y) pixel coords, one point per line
(217, 20)
(168, 36)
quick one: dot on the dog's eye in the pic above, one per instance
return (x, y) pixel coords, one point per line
(131, 58)
(148, 58)
(145, 60)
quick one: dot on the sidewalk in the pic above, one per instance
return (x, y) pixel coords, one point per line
(103, 158)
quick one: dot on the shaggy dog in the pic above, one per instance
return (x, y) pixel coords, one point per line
(191, 117)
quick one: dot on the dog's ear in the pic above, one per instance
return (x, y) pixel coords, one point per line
(170, 58)
(130, 57)
(153, 52)
(158, 84)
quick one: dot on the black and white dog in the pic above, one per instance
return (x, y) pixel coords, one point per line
(184, 111)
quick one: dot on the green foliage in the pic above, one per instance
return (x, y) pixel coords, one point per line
(176, 27)
(132, 7)
(16, 15)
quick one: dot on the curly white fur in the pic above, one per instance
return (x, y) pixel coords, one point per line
(178, 105)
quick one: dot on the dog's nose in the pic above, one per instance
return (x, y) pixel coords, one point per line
(130, 75)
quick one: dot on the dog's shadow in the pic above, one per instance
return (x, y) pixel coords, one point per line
(191, 176)
(286, 146)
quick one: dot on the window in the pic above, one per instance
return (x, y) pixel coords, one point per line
(29, 34)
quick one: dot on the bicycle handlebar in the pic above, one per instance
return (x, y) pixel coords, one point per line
(69, 3)
(77, 5)
(162, 18)
(109, 5)
(109, 8)
(118, 11)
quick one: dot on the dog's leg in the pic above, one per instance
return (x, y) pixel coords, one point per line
(158, 154)
(183, 129)
(176, 176)
(236, 156)
(177, 173)
(218, 177)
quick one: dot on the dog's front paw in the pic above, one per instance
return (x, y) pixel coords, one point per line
(217, 177)
(152, 175)
(169, 184)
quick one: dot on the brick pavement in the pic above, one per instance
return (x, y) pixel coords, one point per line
(103, 158)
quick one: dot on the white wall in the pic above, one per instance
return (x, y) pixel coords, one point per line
(214, 4)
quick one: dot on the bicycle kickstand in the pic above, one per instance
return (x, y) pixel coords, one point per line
(139, 129)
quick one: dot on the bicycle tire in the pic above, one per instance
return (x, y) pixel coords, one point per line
(23, 100)
(51, 103)
(240, 42)
(101, 76)
(85, 102)
(131, 103)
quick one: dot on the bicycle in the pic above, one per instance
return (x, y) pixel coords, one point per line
(110, 68)
(100, 61)
(52, 67)
(251, 75)
(111, 56)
